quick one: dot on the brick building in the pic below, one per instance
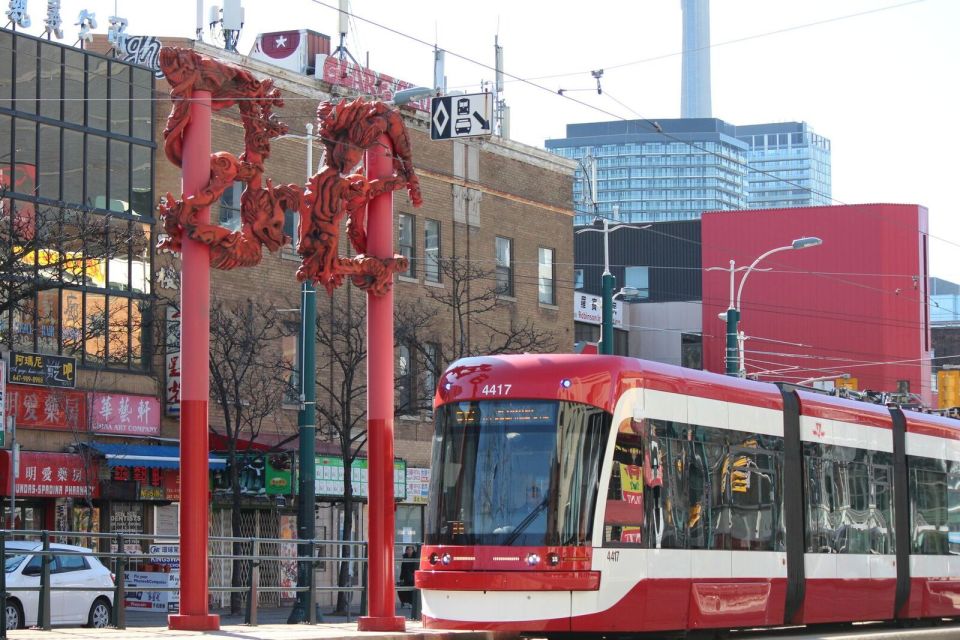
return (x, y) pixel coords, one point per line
(500, 209)
(496, 217)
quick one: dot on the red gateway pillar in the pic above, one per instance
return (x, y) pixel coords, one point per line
(195, 386)
(381, 606)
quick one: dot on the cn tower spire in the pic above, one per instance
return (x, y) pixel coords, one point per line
(695, 83)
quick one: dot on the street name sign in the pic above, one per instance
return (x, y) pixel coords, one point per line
(462, 116)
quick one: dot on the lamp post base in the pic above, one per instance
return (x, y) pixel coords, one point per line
(382, 623)
(196, 622)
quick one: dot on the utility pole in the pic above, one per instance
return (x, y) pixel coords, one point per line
(307, 428)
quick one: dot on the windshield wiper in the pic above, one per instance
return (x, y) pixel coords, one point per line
(526, 522)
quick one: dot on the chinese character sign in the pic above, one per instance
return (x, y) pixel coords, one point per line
(41, 408)
(172, 373)
(50, 475)
(43, 370)
(124, 414)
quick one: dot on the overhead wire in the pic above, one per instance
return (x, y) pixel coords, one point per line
(597, 108)
(812, 273)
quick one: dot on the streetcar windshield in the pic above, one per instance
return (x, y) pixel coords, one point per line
(515, 472)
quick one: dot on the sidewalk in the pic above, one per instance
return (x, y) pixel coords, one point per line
(152, 626)
(326, 631)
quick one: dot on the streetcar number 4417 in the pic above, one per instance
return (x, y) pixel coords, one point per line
(496, 389)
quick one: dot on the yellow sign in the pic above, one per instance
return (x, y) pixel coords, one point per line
(851, 384)
(948, 388)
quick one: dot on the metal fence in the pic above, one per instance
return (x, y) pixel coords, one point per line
(121, 558)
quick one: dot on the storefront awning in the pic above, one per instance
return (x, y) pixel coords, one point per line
(141, 455)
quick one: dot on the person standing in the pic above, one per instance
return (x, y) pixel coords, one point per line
(408, 565)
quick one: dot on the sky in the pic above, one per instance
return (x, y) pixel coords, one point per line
(876, 77)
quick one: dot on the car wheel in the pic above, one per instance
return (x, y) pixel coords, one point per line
(13, 614)
(99, 614)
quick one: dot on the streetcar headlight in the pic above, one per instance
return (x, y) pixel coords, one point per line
(447, 386)
(533, 559)
(434, 558)
(553, 559)
(565, 383)
(446, 559)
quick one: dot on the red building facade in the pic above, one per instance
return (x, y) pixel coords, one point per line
(856, 305)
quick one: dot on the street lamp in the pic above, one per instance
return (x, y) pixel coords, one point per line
(307, 425)
(606, 321)
(406, 96)
(735, 365)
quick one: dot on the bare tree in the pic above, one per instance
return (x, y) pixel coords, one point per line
(480, 322)
(246, 366)
(341, 400)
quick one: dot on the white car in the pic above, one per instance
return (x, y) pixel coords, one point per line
(22, 567)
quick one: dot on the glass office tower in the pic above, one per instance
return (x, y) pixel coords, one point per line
(788, 165)
(654, 171)
(76, 189)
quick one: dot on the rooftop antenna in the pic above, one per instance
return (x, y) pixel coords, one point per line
(341, 51)
(439, 79)
(230, 21)
(499, 104)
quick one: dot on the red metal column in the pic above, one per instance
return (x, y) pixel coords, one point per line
(195, 386)
(382, 594)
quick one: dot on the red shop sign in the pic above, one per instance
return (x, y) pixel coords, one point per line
(50, 475)
(171, 484)
(124, 414)
(42, 408)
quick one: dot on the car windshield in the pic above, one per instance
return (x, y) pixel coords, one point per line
(515, 472)
(13, 562)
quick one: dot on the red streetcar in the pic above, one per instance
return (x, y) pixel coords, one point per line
(600, 494)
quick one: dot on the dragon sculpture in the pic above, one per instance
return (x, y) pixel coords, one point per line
(347, 130)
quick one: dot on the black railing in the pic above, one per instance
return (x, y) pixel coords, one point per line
(119, 560)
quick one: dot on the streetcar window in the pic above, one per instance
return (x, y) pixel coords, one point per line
(929, 506)
(849, 504)
(680, 486)
(515, 472)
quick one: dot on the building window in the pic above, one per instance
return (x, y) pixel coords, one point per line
(504, 249)
(291, 227)
(545, 281)
(431, 368)
(405, 386)
(691, 350)
(431, 251)
(577, 279)
(289, 344)
(230, 207)
(405, 242)
(639, 279)
(93, 302)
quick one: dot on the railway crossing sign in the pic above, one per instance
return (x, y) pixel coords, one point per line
(462, 116)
